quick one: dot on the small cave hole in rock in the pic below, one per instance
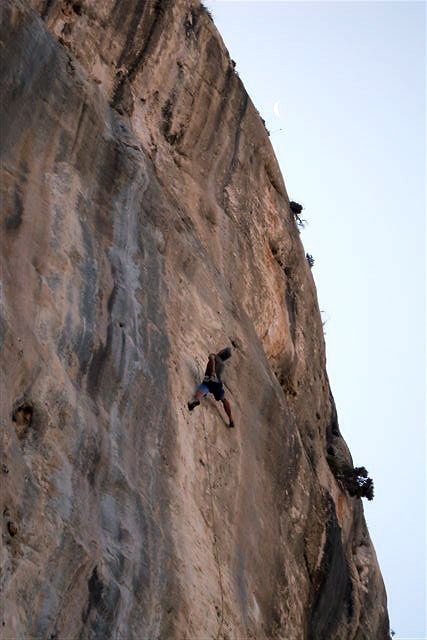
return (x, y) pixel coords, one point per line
(23, 417)
(29, 419)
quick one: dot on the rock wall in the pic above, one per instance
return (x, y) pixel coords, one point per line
(145, 223)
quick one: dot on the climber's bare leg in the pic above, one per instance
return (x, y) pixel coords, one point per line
(227, 408)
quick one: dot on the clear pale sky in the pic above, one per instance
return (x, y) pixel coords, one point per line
(341, 86)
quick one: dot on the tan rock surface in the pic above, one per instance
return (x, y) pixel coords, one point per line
(145, 223)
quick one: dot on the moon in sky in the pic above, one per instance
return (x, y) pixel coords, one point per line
(276, 110)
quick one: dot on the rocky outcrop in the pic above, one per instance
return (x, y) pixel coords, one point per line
(146, 223)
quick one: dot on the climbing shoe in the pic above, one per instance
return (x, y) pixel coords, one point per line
(193, 404)
(231, 425)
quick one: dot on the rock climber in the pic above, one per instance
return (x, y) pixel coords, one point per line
(212, 383)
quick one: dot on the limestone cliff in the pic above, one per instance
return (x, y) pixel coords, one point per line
(145, 223)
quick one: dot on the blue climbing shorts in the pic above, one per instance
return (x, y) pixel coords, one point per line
(215, 388)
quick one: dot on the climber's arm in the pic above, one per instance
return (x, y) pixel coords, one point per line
(210, 369)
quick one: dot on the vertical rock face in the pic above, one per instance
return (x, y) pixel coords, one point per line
(145, 223)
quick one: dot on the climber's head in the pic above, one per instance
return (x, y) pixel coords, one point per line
(224, 354)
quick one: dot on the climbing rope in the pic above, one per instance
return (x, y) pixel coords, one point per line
(216, 550)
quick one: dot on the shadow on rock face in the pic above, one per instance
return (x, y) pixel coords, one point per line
(102, 608)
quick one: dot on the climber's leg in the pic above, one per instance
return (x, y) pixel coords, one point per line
(201, 392)
(227, 408)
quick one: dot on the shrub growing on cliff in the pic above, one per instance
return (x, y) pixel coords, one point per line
(358, 483)
(355, 480)
(296, 209)
(310, 260)
(204, 9)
